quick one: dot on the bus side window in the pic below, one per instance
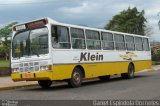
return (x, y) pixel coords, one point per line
(130, 43)
(119, 41)
(107, 41)
(139, 43)
(78, 39)
(55, 43)
(93, 40)
(60, 37)
(145, 44)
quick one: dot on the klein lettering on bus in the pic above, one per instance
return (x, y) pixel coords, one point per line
(88, 56)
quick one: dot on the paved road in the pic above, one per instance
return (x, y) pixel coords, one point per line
(144, 86)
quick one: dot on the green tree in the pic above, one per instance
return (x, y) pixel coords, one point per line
(4, 32)
(155, 56)
(129, 21)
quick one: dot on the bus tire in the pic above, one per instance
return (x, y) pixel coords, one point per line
(104, 78)
(130, 73)
(76, 78)
(45, 83)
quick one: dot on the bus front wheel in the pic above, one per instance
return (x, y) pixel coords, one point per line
(45, 83)
(76, 78)
(130, 73)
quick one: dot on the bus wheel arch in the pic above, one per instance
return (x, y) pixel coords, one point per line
(45, 83)
(131, 63)
(82, 70)
(76, 77)
(130, 71)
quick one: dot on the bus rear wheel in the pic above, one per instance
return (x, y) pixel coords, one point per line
(130, 73)
(45, 83)
(76, 78)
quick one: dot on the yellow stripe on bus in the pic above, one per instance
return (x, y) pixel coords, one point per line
(64, 71)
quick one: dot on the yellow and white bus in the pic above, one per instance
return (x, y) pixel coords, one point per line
(45, 50)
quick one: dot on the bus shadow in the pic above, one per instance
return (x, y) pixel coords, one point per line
(92, 82)
(111, 80)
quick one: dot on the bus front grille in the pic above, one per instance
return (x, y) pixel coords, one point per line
(29, 67)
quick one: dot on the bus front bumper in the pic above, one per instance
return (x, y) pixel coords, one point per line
(32, 76)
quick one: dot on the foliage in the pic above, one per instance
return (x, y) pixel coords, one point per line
(4, 64)
(129, 21)
(4, 32)
(148, 31)
(155, 55)
(155, 62)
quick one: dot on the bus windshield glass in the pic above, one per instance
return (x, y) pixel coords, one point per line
(31, 42)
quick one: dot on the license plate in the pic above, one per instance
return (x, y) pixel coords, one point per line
(27, 75)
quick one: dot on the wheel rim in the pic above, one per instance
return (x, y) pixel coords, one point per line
(76, 78)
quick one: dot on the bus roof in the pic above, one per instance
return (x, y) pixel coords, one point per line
(90, 28)
(54, 22)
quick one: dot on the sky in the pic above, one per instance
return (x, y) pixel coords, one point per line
(93, 13)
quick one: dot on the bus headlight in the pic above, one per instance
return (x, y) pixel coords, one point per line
(44, 68)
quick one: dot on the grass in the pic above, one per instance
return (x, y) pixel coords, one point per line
(4, 63)
(155, 62)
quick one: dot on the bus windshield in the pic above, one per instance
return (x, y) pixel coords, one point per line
(30, 42)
